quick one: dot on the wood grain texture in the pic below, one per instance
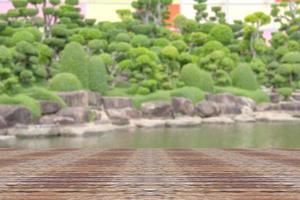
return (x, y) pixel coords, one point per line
(150, 174)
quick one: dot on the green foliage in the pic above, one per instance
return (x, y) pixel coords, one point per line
(40, 93)
(222, 33)
(74, 60)
(170, 52)
(19, 3)
(257, 95)
(192, 93)
(118, 92)
(291, 57)
(156, 96)
(244, 78)
(23, 36)
(140, 41)
(285, 92)
(97, 75)
(21, 99)
(191, 75)
(65, 82)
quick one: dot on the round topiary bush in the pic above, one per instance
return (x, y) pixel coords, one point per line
(291, 57)
(74, 60)
(222, 33)
(65, 82)
(19, 3)
(97, 75)
(191, 75)
(244, 77)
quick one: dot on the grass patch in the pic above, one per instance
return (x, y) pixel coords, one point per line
(192, 93)
(257, 95)
(157, 96)
(117, 92)
(21, 99)
(40, 93)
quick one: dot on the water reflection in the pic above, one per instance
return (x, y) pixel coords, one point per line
(259, 135)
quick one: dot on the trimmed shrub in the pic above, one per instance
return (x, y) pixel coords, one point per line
(97, 75)
(156, 96)
(192, 93)
(40, 93)
(65, 82)
(21, 99)
(257, 95)
(140, 41)
(191, 75)
(222, 33)
(291, 57)
(285, 92)
(243, 77)
(74, 60)
(23, 36)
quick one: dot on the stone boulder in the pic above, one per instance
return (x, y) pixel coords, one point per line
(81, 98)
(117, 102)
(15, 114)
(218, 120)
(274, 117)
(268, 107)
(79, 114)
(55, 119)
(275, 97)
(230, 104)
(244, 118)
(290, 106)
(122, 116)
(3, 123)
(183, 106)
(49, 107)
(296, 96)
(207, 109)
(158, 109)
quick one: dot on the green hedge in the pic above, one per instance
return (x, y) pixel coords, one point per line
(65, 82)
(191, 75)
(22, 99)
(257, 95)
(74, 60)
(40, 93)
(244, 77)
(97, 75)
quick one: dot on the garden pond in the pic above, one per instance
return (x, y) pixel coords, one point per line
(243, 135)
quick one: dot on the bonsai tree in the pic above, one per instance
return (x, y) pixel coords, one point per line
(252, 33)
(9, 83)
(156, 11)
(286, 13)
(203, 16)
(289, 70)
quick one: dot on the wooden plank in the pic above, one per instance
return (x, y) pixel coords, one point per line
(150, 174)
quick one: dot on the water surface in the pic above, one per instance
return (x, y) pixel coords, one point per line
(257, 135)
